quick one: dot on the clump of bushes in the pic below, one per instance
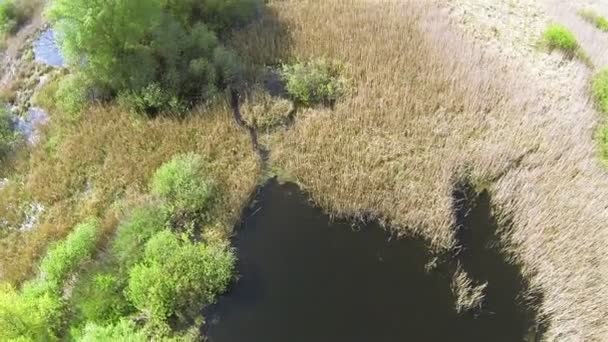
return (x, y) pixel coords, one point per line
(37, 311)
(178, 277)
(595, 19)
(314, 82)
(182, 183)
(157, 55)
(151, 272)
(559, 37)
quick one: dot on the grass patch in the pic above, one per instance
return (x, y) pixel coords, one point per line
(559, 37)
(594, 18)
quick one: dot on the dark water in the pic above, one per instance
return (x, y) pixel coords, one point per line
(304, 278)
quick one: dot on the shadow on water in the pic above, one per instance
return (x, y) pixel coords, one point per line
(303, 277)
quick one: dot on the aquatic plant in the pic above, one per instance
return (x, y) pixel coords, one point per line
(468, 295)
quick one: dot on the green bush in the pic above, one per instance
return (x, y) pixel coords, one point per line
(29, 317)
(315, 82)
(183, 184)
(9, 137)
(600, 90)
(557, 36)
(152, 99)
(178, 277)
(124, 331)
(127, 248)
(72, 94)
(100, 299)
(64, 257)
(595, 19)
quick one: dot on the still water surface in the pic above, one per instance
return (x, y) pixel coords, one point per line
(306, 278)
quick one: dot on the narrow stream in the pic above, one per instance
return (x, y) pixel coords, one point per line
(303, 277)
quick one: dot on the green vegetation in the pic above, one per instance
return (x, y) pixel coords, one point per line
(600, 90)
(158, 55)
(36, 312)
(177, 277)
(124, 330)
(150, 271)
(559, 37)
(315, 82)
(594, 18)
(15, 13)
(182, 183)
(66, 255)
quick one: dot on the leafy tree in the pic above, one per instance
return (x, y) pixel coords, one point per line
(157, 55)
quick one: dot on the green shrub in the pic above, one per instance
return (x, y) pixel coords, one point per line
(600, 89)
(9, 137)
(100, 299)
(183, 184)
(595, 19)
(72, 94)
(557, 36)
(127, 248)
(151, 99)
(124, 331)
(315, 82)
(64, 257)
(26, 317)
(178, 277)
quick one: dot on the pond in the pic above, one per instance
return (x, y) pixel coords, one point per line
(304, 277)
(46, 49)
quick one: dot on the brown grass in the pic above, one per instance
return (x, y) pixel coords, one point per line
(107, 158)
(428, 107)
